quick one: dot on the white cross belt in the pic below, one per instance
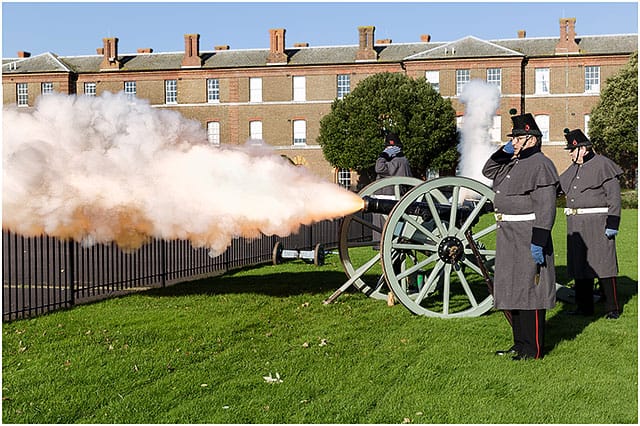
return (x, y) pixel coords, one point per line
(501, 217)
(571, 212)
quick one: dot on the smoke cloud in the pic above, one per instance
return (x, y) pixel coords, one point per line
(481, 101)
(102, 169)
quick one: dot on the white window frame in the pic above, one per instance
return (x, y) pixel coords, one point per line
(22, 94)
(299, 132)
(495, 131)
(433, 77)
(255, 130)
(299, 88)
(542, 81)
(171, 92)
(130, 89)
(592, 79)
(213, 90)
(543, 124)
(344, 178)
(255, 89)
(462, 77)
(494, 77)
(213, 132)
(46, 88)
(587, 117)
(90, 88)
(344, 85)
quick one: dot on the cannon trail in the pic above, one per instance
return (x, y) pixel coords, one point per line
(102, 169)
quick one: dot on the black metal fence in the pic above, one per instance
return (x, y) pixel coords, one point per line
(42, 274)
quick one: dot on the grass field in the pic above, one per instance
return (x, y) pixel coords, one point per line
(199, 352)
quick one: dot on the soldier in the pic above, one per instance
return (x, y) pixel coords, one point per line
(392, 161)
(593, 218)
(525, 184)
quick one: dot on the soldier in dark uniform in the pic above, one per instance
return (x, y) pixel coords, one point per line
(593, 218)
(525, 184)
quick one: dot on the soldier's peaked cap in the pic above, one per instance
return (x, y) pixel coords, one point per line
(575, 138)
(524, 124)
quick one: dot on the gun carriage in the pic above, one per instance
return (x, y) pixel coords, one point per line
(436, 250)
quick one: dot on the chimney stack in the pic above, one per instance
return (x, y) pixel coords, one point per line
(425, 38)
(276, 47)
(191, 58)
(110, 60)
(23, 54)
(366, 52)
(145, 50)
(522, 34)
(567, 43)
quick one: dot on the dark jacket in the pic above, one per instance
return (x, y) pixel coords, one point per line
(594, 183)
(522, 186)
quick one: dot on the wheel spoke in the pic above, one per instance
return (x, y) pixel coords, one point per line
(417, 266)
(489, 229)
(467, 289)
(472, 217)
(363, 222)
(454, 207)
(447, 289)
(435, 215)
(419, 227)
(430, 283)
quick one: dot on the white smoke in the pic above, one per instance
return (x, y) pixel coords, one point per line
(102, 169)
(481, 102)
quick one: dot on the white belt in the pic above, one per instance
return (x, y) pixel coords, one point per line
(500, 217)
(571, 212)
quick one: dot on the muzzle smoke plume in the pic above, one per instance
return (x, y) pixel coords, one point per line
(481, 102)
(102, 169)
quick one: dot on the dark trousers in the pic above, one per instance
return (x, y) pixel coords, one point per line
(584, 294)
(528, 332)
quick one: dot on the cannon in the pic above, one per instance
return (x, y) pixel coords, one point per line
(436, 251)
(316, 256)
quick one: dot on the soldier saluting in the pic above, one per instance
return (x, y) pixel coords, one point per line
(593, 218)
(525, 183)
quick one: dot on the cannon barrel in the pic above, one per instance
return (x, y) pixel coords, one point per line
(417, 208)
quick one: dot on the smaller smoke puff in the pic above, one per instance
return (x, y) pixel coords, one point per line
(481, 103)
(102, 169)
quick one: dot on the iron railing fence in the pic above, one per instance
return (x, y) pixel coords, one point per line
(42, 274)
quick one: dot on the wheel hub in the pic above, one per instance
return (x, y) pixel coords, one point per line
(450, 250)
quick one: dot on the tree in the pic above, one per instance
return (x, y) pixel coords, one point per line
(613, 127)
(352, 134)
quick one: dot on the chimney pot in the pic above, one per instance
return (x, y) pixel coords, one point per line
(425, 38)
(522, 34)
(366, 52)
(277, 54)
(110, 60)
(221, 47)
(384, 41)
(300, 44)
(23, 54)
(145, 50)
(100, 50)
(191, 58)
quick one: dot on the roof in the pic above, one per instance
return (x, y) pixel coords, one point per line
(467, 47)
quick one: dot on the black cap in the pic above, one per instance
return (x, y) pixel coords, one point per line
(391, 139)
(576, 138)
(524, 124)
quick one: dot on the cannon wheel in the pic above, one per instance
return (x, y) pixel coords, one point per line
(318, 255)
(355, 265)
(276, 254)
(429, 263)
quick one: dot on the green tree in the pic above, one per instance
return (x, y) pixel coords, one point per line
(613, 127)
(351, 135)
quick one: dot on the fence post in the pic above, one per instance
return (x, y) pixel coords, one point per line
(71, 273)
(163, 263)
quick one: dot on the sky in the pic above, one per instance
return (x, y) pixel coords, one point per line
(77, 28)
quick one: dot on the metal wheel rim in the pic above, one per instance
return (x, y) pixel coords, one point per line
(438, 282)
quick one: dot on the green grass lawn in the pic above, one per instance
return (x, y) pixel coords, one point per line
(198, 352)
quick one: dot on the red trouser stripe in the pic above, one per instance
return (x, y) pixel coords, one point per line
(615, 291)
(538, 349)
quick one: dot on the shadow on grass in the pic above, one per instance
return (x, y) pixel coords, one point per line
(277, 284)
(563, 326)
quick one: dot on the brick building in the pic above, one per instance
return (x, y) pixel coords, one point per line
(280, 94)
